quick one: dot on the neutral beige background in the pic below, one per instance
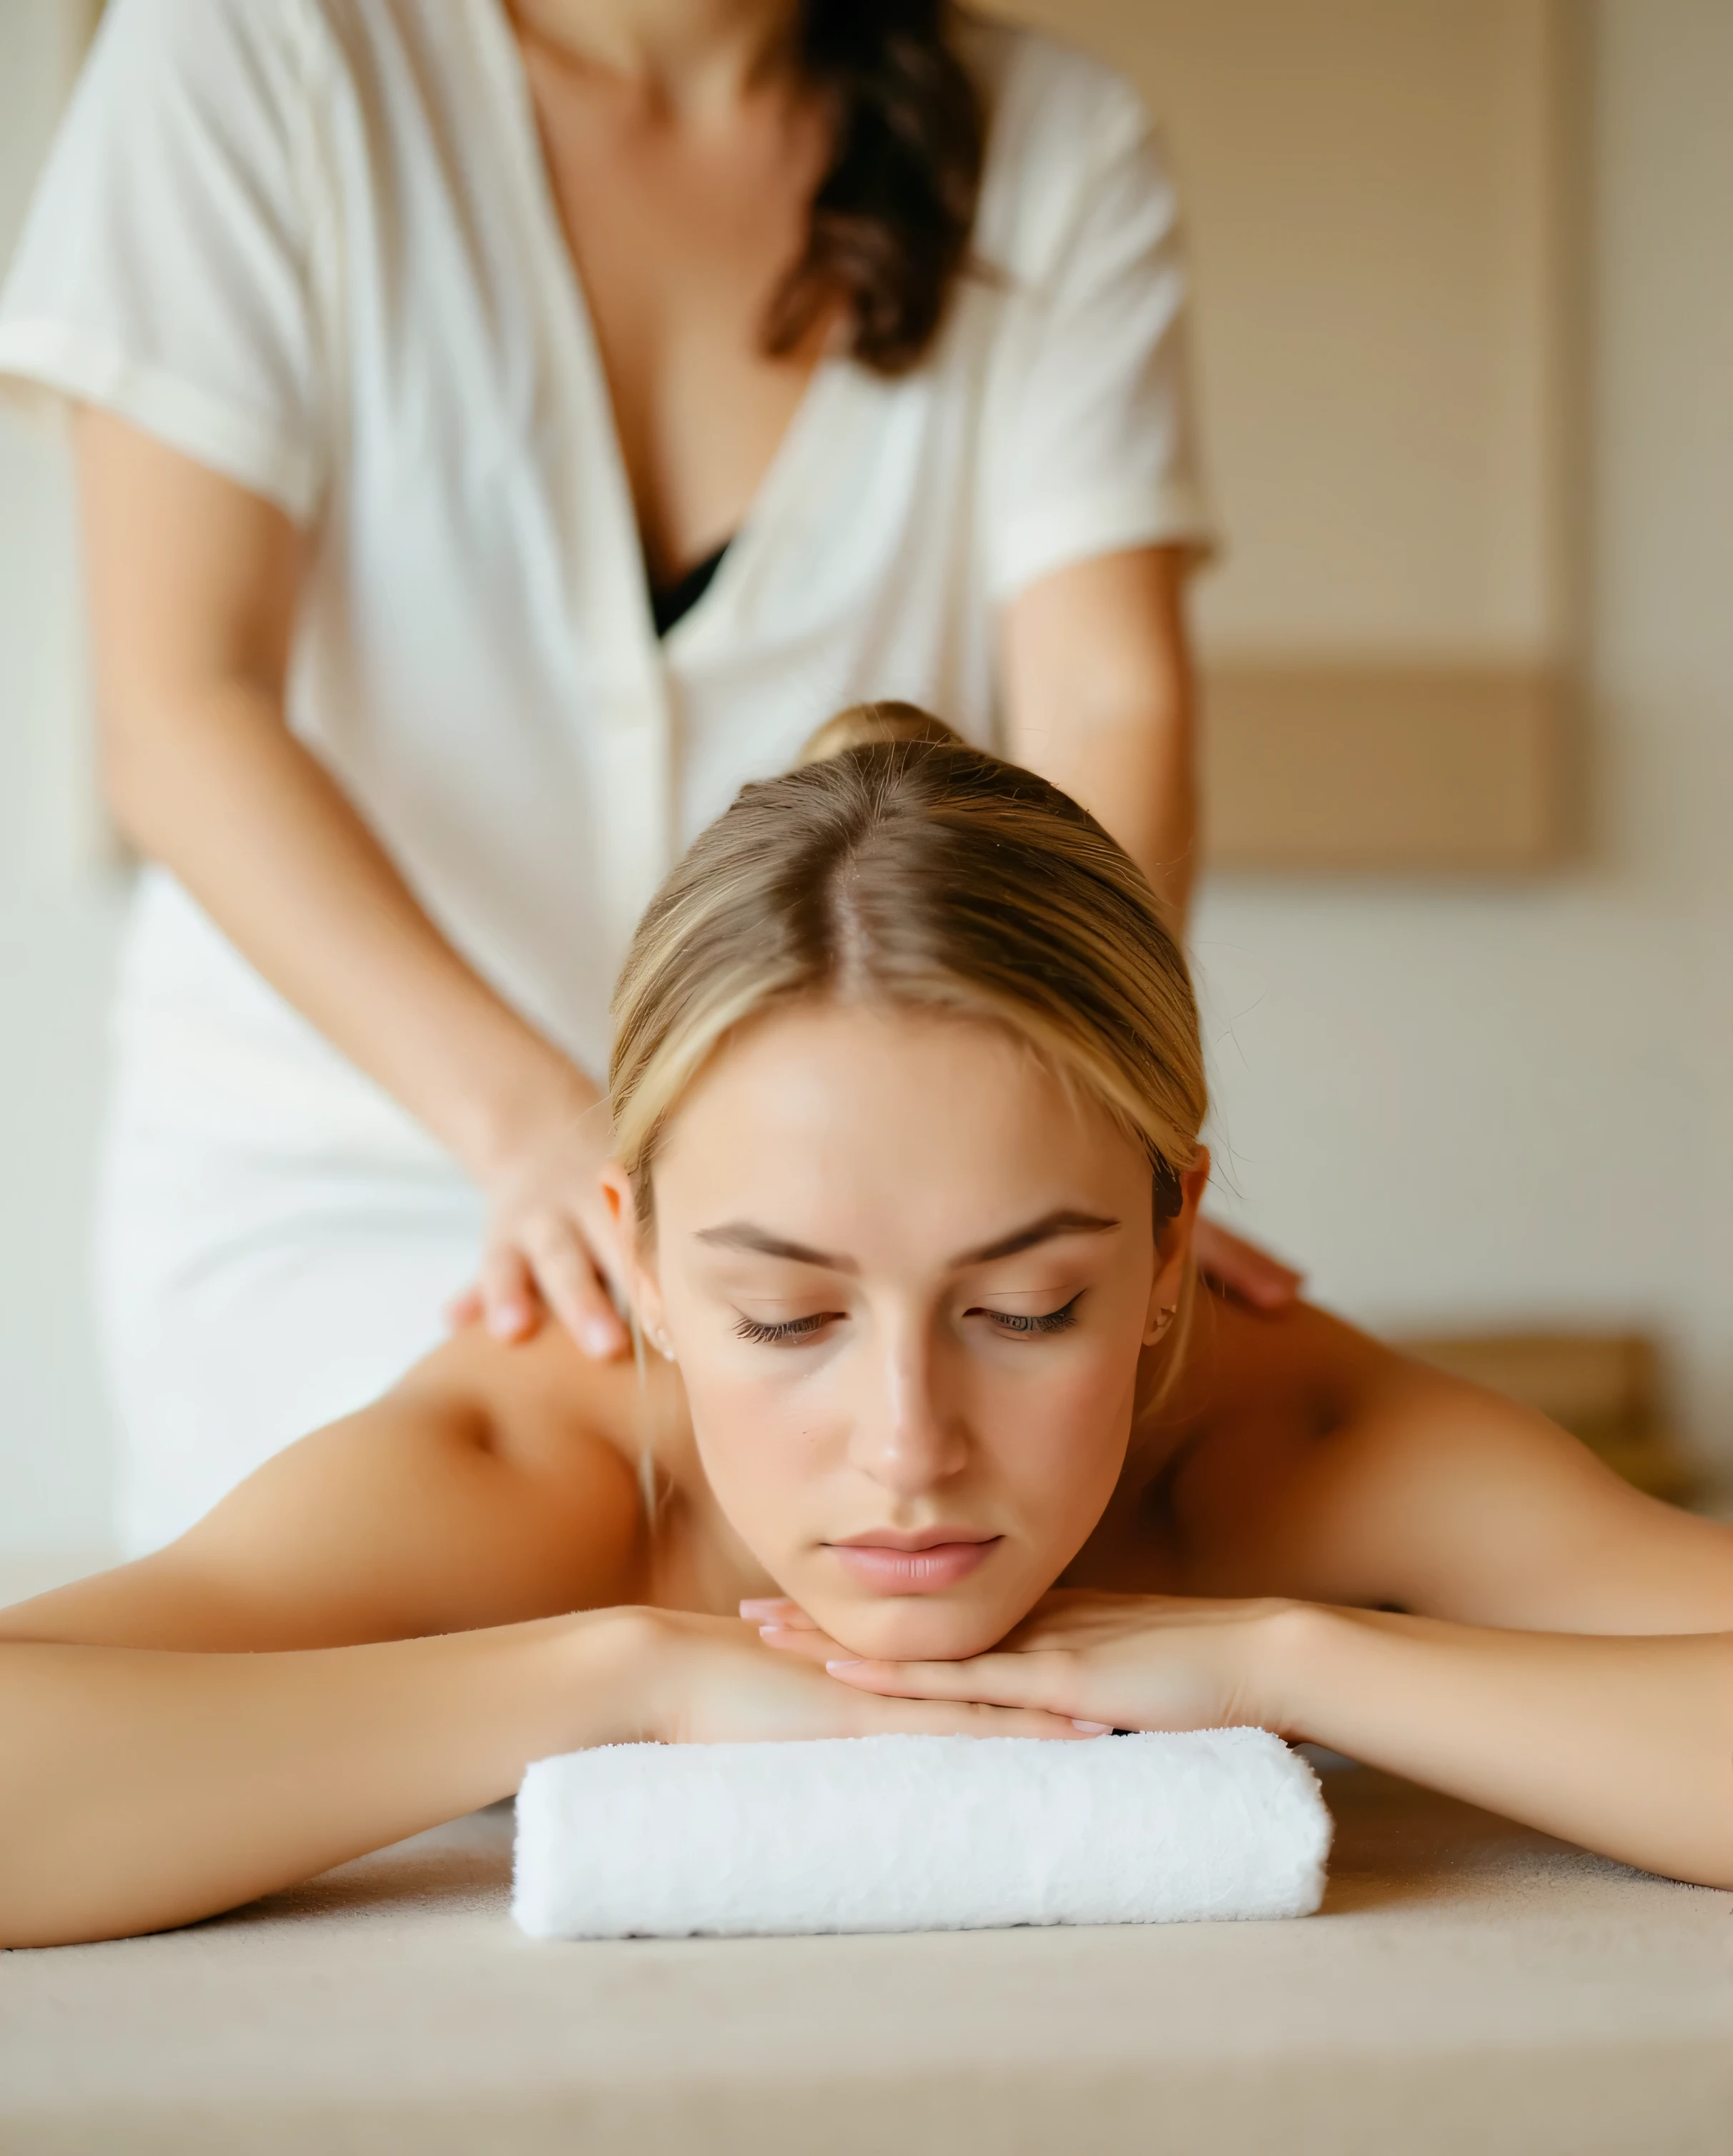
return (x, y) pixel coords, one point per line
(1374, 189)
(1476, 1103)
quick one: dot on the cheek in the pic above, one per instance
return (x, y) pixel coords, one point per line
(1057, 1432)
(759, 1452)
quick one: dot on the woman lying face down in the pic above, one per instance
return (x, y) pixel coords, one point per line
(906, 1098)
(908, 1278)
(933, 1432)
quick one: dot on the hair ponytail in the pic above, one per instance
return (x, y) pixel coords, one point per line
(895, 866)
(891, 221)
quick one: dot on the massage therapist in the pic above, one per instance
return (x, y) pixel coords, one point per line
(501, 427)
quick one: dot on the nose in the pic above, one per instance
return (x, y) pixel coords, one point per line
(907, 1434)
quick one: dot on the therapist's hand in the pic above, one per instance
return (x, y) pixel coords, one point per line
(550, 1245)
(1234, 1267)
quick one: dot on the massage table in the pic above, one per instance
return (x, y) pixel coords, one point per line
(1469, 1986)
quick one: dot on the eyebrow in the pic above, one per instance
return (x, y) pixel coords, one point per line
(746, 1236)
(1063, 1222)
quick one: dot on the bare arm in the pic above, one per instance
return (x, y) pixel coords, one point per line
(1623, 1745)
(1099, 699)
(1569, 1656)
(374, 1633)
(147, 1788)
(1570, 1660)
(193, 583)
(254, 1703)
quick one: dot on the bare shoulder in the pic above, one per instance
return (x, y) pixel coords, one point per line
(1337, 1470)
(486, 1487)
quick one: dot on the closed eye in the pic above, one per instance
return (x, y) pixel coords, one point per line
(794, 1328)
(1025, 1327)
(1015, 1325)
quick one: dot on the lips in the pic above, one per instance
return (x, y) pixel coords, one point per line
(924, 1564)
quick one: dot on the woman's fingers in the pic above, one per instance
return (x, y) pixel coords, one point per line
(805, 1640)
(969, 1686)
(508, 1296)
(773, 1613)
(1032, 1681)
(566, 1275)
(933, 1718)
(1241, 1268)
(774, 1609)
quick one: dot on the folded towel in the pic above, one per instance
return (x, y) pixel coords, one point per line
(913, 1833)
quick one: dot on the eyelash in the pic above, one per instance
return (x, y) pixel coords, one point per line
(1054, 1321)
(1012, 1327)
(749, 1328)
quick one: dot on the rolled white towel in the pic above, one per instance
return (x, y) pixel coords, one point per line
(915, 1834)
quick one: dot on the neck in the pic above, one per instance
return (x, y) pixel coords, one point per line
(681, 52)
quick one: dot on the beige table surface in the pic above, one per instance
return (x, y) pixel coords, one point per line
(1469, 1986)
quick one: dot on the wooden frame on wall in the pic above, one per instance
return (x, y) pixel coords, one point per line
(1383, 200)
(1384, 769)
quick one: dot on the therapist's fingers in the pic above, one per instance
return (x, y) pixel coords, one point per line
(508, 1293)
(466, 1309)
(573, 1290)
(1251, 1276)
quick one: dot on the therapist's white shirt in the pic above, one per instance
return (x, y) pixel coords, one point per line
(311, 244)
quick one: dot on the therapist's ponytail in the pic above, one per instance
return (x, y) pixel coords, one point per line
(892, 219)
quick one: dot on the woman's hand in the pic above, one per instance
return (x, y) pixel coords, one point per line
(1235, 1267)
(1099, 1661)
(713, 1680)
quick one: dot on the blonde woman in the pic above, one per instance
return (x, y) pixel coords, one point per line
(908, 1090)
(503, 424)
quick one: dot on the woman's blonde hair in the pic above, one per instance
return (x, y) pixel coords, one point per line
(896, 865)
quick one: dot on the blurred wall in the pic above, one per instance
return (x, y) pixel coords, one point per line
(1372, 189)
(60, 915)
(1478, 1102)
(1469, 1101)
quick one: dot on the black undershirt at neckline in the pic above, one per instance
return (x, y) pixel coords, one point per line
(672, 603)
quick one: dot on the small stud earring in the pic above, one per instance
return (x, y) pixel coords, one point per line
(664, 1345)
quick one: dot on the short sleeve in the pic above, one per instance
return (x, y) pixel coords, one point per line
(165, 272)
(1094, 447)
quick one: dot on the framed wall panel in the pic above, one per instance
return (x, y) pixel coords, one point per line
(1382, 204)
(1362, 766)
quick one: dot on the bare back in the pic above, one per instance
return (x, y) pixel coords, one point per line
(1299, 1458)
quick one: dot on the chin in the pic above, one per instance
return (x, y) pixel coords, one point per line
(917, 1628)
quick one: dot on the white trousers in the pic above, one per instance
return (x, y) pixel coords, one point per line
(246, 1297)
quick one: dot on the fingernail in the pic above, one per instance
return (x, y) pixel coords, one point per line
(1092, 1728)
(505, 1321)
(597, 1338)
(759, 1605)
(858, 1663)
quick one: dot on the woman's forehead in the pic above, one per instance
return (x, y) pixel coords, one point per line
(847, 1109)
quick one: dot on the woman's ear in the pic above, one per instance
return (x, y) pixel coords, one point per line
(1173, 1252)
(636, 1259)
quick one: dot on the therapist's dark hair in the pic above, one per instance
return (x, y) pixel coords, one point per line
(892, 219)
